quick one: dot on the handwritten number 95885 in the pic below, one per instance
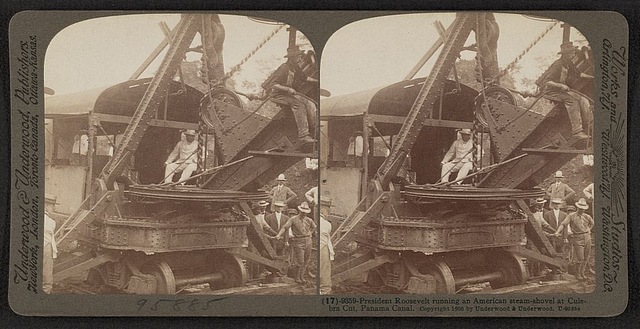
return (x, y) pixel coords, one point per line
(176, 304)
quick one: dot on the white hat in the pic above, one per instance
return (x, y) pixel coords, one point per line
(281, 177)
(541, 200)
(304, 207)
(556, 200)
(559, 174)
(325, 198)
(263, 203)
(190, 132)
(465, 131)
(279, 204)
(582, 204)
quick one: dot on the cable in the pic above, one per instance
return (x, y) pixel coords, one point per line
(264, 21)
(539, 19)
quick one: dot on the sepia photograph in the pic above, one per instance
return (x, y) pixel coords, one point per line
(457, 156)
(286, 163)
(180, 157)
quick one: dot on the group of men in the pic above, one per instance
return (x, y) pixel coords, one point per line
(289, 233)
(568, 231)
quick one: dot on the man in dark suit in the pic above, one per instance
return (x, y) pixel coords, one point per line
(276, 221)
(554, 218)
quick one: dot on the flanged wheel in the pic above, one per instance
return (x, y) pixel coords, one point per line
(514, 272)
(165, 281)
(232, 269)
(445, 283)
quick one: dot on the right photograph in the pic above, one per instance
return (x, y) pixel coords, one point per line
(456, 156)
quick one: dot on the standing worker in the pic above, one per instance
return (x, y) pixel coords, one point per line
(560, 190)
(588, 195)
(580, 224)
(182, 158)
(276, 221)
(50, 248)
(312, 199)
(302, 228)
(281, 193)
(327, 253)
(554, 218)
(259, 211)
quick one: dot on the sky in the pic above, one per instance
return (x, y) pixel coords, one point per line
(362, 55)
(105, 51)
(380, 51)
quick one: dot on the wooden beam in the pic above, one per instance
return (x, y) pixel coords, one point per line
(524, 252)
(368, 265)
(245, 254)
(284, 154)
(556, 151)
(426, 56)
(154, 54)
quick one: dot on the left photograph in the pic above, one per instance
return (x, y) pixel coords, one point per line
(181, 157)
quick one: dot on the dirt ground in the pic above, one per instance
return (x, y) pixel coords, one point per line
(567, 284)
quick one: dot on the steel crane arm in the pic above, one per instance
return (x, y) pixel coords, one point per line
(423, 105)
(185, 31)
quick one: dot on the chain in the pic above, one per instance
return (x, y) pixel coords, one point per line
(201, 124)
(236, 67)
(476, 123)
(509, 67)
(202, 147)
(526, 50)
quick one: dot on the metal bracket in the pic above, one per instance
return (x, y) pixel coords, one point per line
(347, 231)
(255, 234)
(535, 233)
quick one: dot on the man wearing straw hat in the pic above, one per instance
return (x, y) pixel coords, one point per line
(281, 193)
(554, 218)
(276, 221)
(556, 86)
(560, 190)
(182, 158)
(50, 248)
(281, 85)
(259, 210)
(537, 208)
(580, 225)
(459, 157)
(302, 228)
(326, 247)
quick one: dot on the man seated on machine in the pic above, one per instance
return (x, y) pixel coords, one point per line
(282, 86)
(459, 157)
(556, 84)
(182, 158)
